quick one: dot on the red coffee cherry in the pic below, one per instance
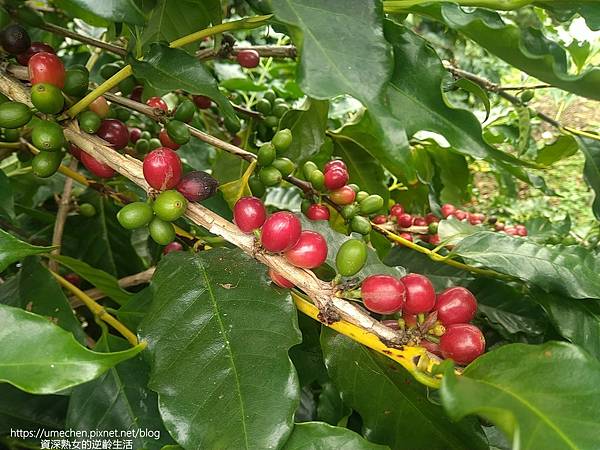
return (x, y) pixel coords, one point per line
(134, 134)
(279, 280)
(335, 178)
(73, 278)
(136, 94)
(248, 58)
(407, 236)
(280, 232)
(114, 132)
(46, 67)
(100, 106)
(521, 230)
(162, 168)
(420, 294)
(172, 247)
(455, 305)
(96, 167)
(249, 214)
(383, 294)
(447, 210)
(202, 101)
(431, 218)
(166, 140)
(380, 219)
(309, 252)
(462, 342)
(36, 47)
(431, 347)
(405, 220)
(434, 239)
(460, 214)
(499, 226)
(419, 222)
(317, 211)
(397, 210)
(75, 151)
(410, 320)
(342, 196)
(335, 163)
(157, 102)
(197, 186)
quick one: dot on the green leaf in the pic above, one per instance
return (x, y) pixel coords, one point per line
(105, 282)
(591, 170)
(477, 91)
(524, 120)
(7, 202)
(234, 190)
(168, 69)
(571, 270)
(330, 407)
(218, 337)
(119, 399)
(576, 320)
(307, 356)
(242, 84)
(394, 408)
(20, 410)
(60, 363)
(453, 171)
(525, 48)
(113, 10)
(308, 124)
(41, 294)
(564, 146)
(363, 168)
(13, 250)
(544, 396)
(171, 20)
(321, 436)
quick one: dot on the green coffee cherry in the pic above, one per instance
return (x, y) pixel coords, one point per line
(89, 121)
(256, 186)
(266, 154)
(269, 176)
(308, 168)
(11, 135)
(154, 143)
(317, 179)
(178, 132)
(349, 211)
(146, 135)
(371, 204)
(77, 81)
(361, 195)
(135, 215)
(432, 228)
(360, 224)
(282, 140)
(47, 98)
(185, 111)
(271, 121)
(351, 257)
(87, 210)
(47, 136)
(170, 205)
(305, 205)
(263, 106)
(285, 165)
(14, 114)
(45, 164)
(279, 109)
(232, 124)
(142, 146)
(161, 231)
(527, 95)
(269, 96)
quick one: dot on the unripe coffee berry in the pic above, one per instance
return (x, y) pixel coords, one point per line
(169, 205)
(342, 196)
(351, 257)
(135, 215)
(249, 214)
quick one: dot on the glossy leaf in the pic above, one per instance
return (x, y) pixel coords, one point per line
(119, 399)
(113, 10)
(564, 146)
(7, 206)
(330, 407)
(453, 171)
(168, 69)
(320, 436)
(537, 402)
(307, 356)
(218, 337)
(308, 124)
(591, 170)
(56, 365)
(477, 91)
(41, 294)
(570, 270)
(13, 250)
(103, 281)
(394, 408)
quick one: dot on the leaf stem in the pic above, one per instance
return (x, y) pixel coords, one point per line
(97, 309)
(505, 5)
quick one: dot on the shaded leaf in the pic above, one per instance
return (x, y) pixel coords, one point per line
(563, 147)
(218, 338)
(308, 124)
(13, 250)
(591, 170)
(477, 91)
(56, 365)
(113, 10)
(7, 202)
(321, 436)
(537, 401)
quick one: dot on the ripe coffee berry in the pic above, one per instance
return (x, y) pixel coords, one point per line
(279, 280)
(335, 178)
(317, 211)
(197, 186)
(248, 58)
(172, 247)
(202, 101)
(280, 232)
(455, 305)
(162, 168)
(420, 294)
(342, 196)
(14, 39)
(383, 294)
(431, 218)
(47, 68)
(157, 102)
(397, 210)
(73, 278)
(351, 257)
(249, 214)
(431, 347)
(419, 222)
(166, 140)
(134, 134)
(460, 215)
(335, 163)
(462, 342)
(407, 236)
(405, 220)
(521, 230)
(36, 47)
(447, 210)
(380, 219)
(114, 132)
(97, 168)
(435, 239)
(309, 252)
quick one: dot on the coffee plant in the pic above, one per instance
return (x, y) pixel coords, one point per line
(253, 224)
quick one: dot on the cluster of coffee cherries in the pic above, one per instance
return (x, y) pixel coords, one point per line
(273, 109)
(443, 318)
(355, 205)
(273, 165)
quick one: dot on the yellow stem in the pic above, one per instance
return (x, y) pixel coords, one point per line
(97, 309)
(582, 133)
(405, 357)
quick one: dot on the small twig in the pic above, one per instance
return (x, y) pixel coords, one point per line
(525, 87)
(85, 39)
(272, 51)
(61, 217)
